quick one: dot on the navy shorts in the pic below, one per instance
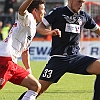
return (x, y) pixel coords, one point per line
(58, 66)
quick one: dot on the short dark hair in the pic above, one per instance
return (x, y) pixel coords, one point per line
(35, 4)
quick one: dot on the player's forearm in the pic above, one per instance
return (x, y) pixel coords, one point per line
(97, 31)
(41, 28)
(25, 59)
(24, 6)
(44, 31)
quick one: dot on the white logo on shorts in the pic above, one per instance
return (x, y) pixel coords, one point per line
(2, 81)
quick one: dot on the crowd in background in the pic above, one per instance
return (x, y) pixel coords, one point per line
(7, 19)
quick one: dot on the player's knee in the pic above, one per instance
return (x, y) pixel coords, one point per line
(35, 87)
(38, 86)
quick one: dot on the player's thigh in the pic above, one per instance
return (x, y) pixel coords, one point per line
(23, 78)
(53, 70)
(94, 68)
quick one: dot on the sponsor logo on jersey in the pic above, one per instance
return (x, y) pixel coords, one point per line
(73, 28)
(70, 19)
(73, 19)
(80, 21)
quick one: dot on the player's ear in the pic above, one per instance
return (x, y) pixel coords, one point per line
(34, 11)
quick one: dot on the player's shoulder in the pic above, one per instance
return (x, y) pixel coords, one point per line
(84, 13)
(57, 9)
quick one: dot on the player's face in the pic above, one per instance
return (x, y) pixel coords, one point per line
(40, 13)
(76, 5)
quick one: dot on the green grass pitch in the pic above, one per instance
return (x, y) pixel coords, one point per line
(69, 87)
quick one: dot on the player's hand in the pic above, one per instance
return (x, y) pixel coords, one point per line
(56, 32)
(29, 70)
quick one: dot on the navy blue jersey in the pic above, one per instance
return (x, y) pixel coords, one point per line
(71, 25)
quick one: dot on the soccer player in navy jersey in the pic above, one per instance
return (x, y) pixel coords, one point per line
(17, 44)
(65, 55)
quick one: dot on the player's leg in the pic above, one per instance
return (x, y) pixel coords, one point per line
(20, 98)
(52, 72)
(4, 70)
(96, 88)
(23, 78)
(94, 68)
(33, 87)
(44, 86)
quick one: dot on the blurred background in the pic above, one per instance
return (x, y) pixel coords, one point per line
(89, 41)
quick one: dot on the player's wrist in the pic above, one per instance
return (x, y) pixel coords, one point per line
(29, 70)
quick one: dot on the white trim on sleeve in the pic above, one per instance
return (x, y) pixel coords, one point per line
(95, 28)
(45, 22)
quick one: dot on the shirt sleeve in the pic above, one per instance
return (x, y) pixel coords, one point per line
(90, 23)
(24, 20)
(95, 28)
(50, 18)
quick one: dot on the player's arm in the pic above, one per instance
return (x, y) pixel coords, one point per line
(97, 31)
(24, 6)
(41, 28)
(26, 60)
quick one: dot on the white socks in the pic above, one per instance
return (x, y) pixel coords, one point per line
(30, 95)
